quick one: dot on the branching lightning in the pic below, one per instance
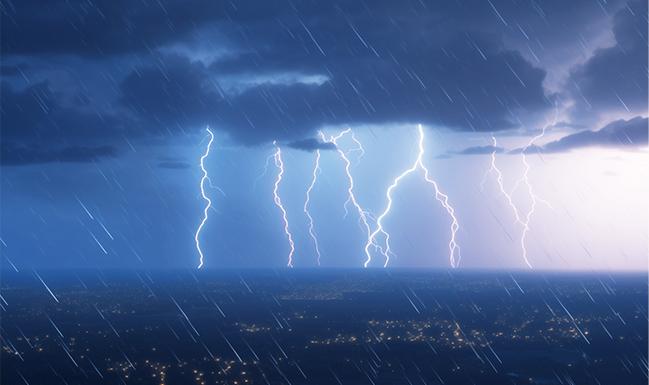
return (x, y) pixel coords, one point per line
(359, 148)
(454, 248)
(533, 197)
(263, 172)
(508, 196)
(522, 220)
(351, 197)
(316, 172)
(278, 201)
(204, 178)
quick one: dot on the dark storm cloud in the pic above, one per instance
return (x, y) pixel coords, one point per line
(13, 156)
(37, 128)
(451, 86)
(34, 27)
(615, 78)
(620, 133)
(443, 65)
(479, 150)
(174, 96)
(311, 144)
(439, 63)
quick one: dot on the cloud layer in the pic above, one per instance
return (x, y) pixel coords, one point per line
(311, 144)
(95, 75)
(620, 133)
(615, 78)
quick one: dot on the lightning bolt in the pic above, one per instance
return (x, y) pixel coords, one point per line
(278, 201)
(533, 197)
(359, 148)
(316, 171)
(522, 220)
(204, 178)
(508, 196)
(264, 171)
(454, 248)
(531, 192)
(351, 196)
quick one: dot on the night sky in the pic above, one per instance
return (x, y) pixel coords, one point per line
(105, 107)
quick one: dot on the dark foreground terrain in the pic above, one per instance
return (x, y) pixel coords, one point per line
(323, 327)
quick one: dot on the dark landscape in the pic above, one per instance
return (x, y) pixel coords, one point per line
(323, 327)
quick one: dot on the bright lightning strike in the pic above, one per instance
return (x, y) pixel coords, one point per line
(278, 201)
(264, 171)
(533, 197)
(316, 171)
(351, 197)
(204, 178)
(454, 248)
(508, 196)
(523, 220)
(359, 148)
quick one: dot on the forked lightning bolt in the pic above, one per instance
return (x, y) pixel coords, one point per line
(499, 180)
(454, 248)
(278, 201)
(204, 178)
(523, 220)
(510, 201)
(532, 194)
(314, 179)
(359, 148)
(351, 196)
